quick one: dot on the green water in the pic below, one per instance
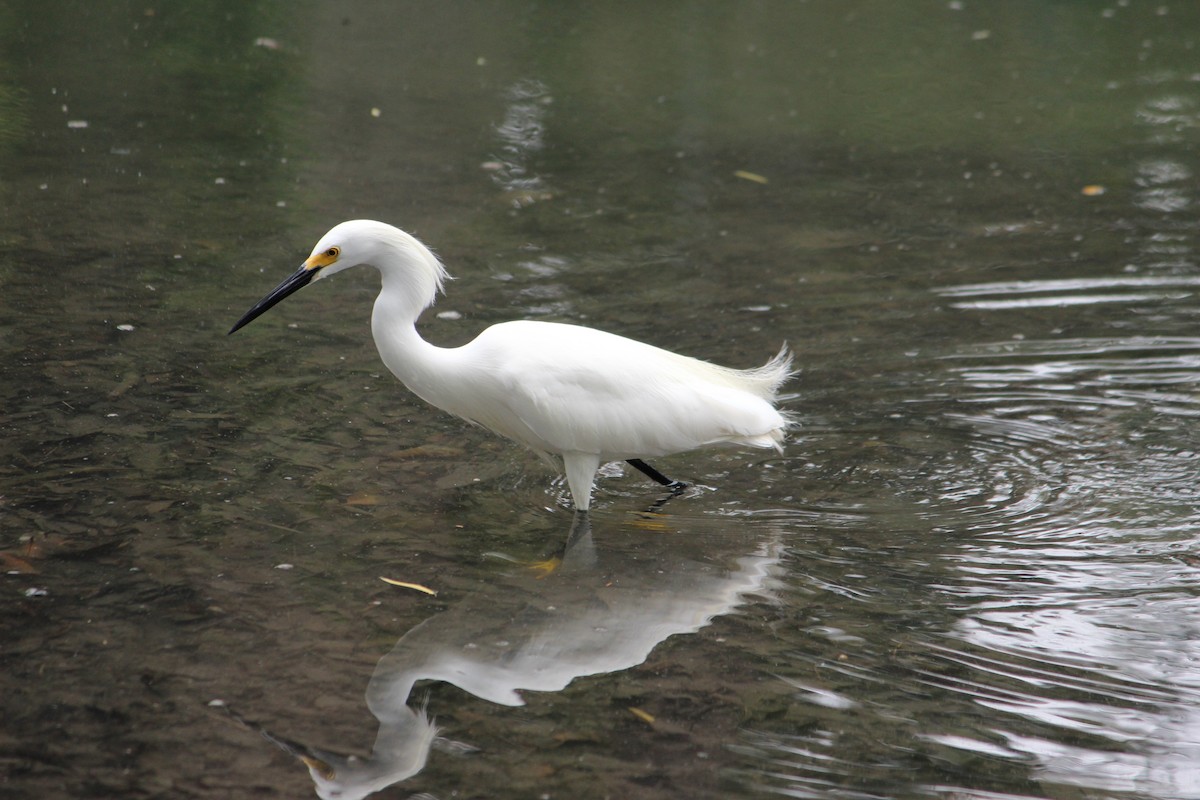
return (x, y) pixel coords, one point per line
(973, 573)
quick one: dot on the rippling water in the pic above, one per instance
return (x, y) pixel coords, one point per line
(1076, 589)
(1055, 629)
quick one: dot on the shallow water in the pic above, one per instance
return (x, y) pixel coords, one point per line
(973, 573)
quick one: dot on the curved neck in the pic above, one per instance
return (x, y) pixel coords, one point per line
(410, 358)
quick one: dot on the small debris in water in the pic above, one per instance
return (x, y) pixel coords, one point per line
(125, 327)
(285, 566)
(644, 716)
(1093, 190)
(753, 177)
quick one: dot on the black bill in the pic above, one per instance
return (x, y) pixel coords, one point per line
(294, 283)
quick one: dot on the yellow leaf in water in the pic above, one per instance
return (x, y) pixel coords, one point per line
(406, 585)
(749, 176)
(647, 524)
(642, 715)
(1093, 190)
(363, 499)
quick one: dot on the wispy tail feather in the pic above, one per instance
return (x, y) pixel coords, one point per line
(765, 381)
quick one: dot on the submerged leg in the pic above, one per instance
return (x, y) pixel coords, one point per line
(581, 474)
(655, 475)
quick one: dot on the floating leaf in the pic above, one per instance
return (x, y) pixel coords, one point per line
(428, 451)
(363, 499)
(11, 563)
(407, 585)
(1093, 190)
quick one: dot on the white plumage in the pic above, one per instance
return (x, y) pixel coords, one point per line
(566, 390)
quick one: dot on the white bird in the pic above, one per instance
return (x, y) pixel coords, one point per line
(575, 392)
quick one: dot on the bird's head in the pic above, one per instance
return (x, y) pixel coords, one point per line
(350, 244)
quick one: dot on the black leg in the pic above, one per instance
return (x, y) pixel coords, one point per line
(655, 475)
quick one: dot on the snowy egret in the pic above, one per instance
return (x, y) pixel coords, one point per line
(559, 389)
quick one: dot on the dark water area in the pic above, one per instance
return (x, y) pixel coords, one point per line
(973, 573)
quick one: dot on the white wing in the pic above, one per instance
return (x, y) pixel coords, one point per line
(564, 388)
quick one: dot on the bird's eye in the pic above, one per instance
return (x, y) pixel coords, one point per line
(333, 252)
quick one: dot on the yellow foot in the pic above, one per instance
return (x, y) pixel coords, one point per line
(542, 569)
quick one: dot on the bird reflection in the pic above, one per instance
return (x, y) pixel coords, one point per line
(598, 611)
